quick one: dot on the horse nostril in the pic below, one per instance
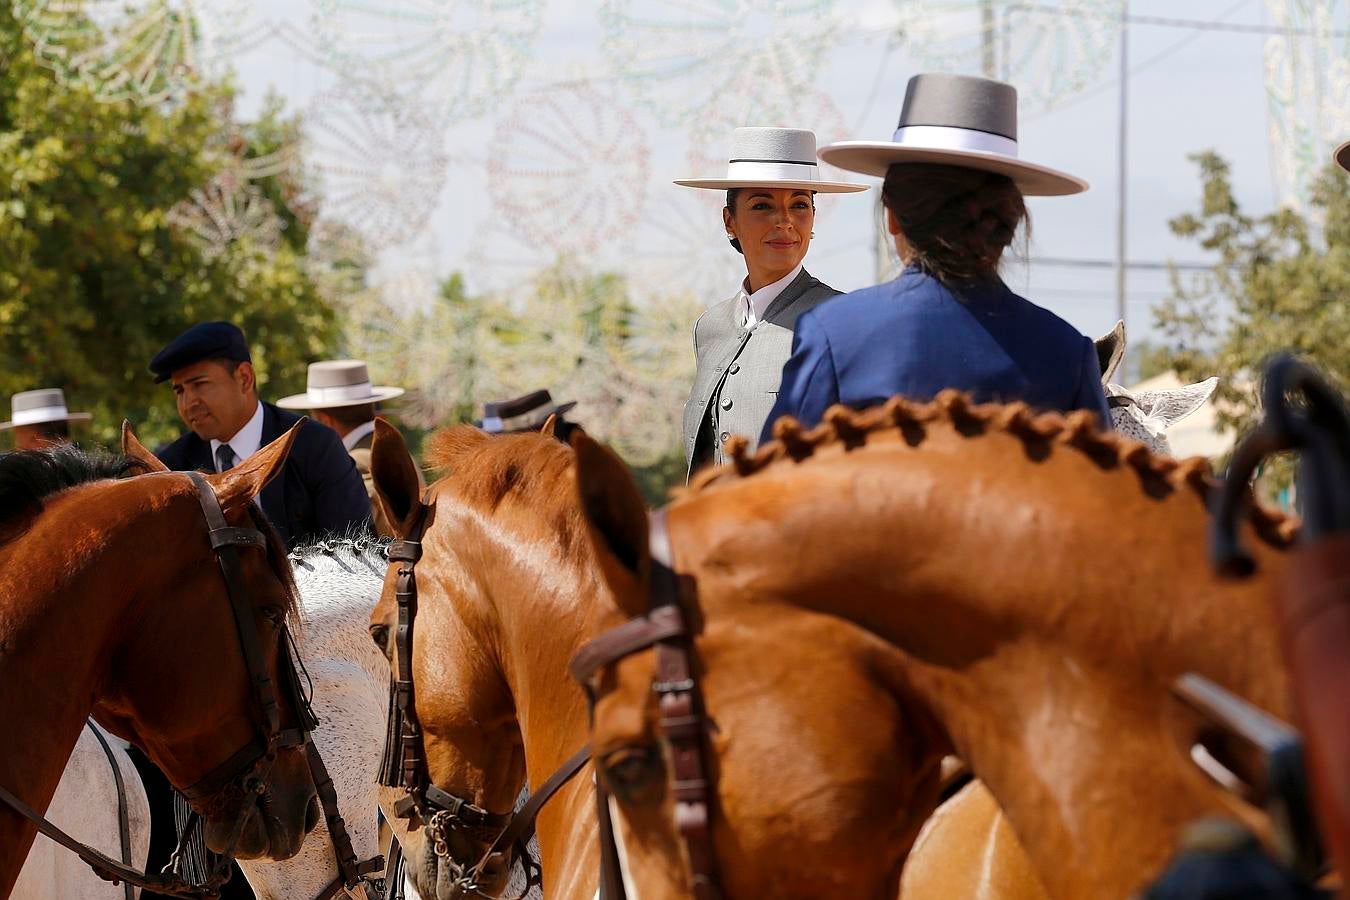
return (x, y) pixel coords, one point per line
(312, 813)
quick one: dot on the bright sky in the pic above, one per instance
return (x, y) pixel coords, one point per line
(557, 127)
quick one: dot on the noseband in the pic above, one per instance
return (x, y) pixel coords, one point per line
(245, 771)
(683, 720)
(405, 762)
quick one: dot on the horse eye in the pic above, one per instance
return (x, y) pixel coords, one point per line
(635, 774)
(275, 615)
(380, 635)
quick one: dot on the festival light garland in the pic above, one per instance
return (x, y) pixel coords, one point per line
(380, 159)
(1307, 93)
(574, 150)
(690, 61)
(227, 210)
(459, 57)
(1050, 50)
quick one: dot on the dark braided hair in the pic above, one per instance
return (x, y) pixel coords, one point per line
(958, 221)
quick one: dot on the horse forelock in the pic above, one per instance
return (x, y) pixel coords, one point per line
(1078, 431)
(533, 471)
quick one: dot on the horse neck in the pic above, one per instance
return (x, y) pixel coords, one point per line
(546, 604)
(1045, 609)
(67, 606)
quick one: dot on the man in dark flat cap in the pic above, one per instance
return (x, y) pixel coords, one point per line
(319, 492)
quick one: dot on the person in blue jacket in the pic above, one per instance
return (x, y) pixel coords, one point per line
(953, 193)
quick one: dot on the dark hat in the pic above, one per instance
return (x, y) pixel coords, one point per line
(205, 340)
(1342, 155)
(527, 413)
(956, 120)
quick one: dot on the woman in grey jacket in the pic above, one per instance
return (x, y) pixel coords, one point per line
(741, 344)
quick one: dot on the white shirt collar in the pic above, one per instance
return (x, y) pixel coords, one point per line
(753, 306)
(357, 434)
(247, 441)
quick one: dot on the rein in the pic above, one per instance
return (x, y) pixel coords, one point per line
(245, 770)
(683, 720)
(404, 764)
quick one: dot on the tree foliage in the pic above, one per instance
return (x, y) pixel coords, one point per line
(1280, 283)
(94, 278)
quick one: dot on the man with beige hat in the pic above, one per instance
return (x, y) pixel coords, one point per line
(338, 393)
(39, 419)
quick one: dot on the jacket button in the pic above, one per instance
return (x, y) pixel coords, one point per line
(726, 403)
(735, 367)
(724, 437)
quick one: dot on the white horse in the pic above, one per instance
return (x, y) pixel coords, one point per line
(339, 583)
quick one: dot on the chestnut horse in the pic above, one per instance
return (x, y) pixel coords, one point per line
(508, 589)
(112, 603)
(978, 541)
(505, 596)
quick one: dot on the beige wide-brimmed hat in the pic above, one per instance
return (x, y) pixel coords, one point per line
(338, 382)
(40, 407)
(773, 158)
(956, 120)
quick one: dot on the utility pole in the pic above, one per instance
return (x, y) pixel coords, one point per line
(1122, 172)
(988, 32)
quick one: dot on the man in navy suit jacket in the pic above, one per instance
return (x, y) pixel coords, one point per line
(319, 492)
(913, 336)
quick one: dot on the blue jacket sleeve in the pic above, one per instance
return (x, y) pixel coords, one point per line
(335, 486)
(809, 385)
(1090, 394)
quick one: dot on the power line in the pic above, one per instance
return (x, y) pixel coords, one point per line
(1064, 262)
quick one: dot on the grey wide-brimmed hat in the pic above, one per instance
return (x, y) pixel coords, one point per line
(40, 407)
(773, 158)
(526, 413)
(1342, 155)
(338, 382)
(956, 120)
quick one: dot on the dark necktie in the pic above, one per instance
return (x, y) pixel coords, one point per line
(224, 458)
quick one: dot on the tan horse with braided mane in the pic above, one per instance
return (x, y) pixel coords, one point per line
(982, 543)
(508, 589)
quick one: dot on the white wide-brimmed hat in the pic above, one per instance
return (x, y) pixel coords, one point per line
(956, 120)
(773, 158)
(338, 382)
(40, 407)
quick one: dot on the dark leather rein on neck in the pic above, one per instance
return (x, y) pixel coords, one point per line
(405, 762)
(245, 770)
(683, 720)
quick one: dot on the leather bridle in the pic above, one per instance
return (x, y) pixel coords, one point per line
(405, 763)
(683, 721)
(246, 770)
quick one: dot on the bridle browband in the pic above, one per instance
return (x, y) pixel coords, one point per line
(405, 763)
(245, 771)
(683, 721)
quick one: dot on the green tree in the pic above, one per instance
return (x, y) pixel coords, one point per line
(93, 277)
(1280, 283)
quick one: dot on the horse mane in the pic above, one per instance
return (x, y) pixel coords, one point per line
(27, 477)
(532, 469)
(359, 543)
(1038, 432)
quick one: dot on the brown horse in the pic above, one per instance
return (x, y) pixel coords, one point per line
(506, 589)
(984, 543)
(112, 603)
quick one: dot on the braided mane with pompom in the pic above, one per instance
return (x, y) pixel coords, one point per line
(1037, 431)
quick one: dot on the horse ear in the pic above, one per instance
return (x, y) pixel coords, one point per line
(397, 487)
(616, 521)
(1174, 404)
(1111, 350)
(240, 485)
(135, 451)
(549, 425)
